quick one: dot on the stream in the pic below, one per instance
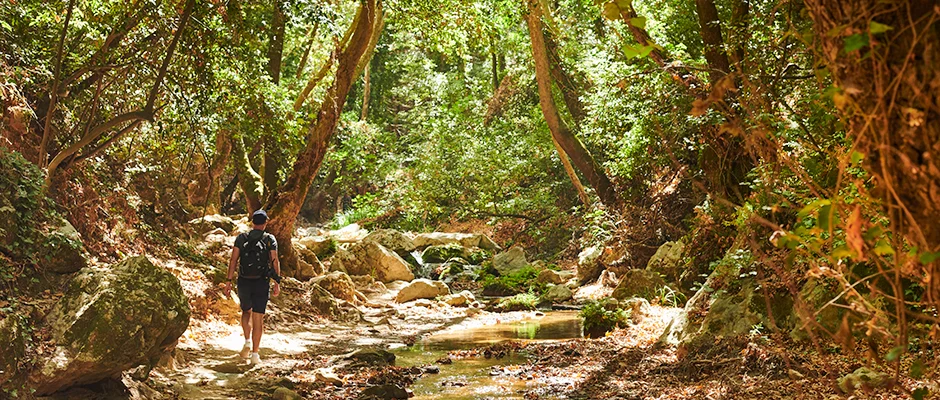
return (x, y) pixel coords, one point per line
(479, 377)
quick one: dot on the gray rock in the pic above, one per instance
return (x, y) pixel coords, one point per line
(549, 276)
(441, 238)
(461, 299)
(370, 258)
(667, 261)
(373, 357)
(210, 222)
(589, 266)
(422, 289)
(62, 250)
(558, 294)
(111, 319)
(392, 240)
(510, 261)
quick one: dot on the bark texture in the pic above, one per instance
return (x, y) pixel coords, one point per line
(289, 199)
(581, 158)
(890, 101)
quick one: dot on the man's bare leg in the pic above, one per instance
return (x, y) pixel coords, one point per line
(246, 328)
(257, 326)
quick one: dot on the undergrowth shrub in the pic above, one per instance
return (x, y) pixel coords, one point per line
(597, 319)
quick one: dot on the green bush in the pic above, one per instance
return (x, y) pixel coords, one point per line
(597, 320)
(519, 302)
(523, 280)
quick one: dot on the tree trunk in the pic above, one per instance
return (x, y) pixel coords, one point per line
(366, 91)
(251, 183)
(569, 86)
(54, 90)
(223, 147)
(582, 159)
(325, 69)
(286, 205)
(272, 150)
(710, 25)
(889, 101)
(311, 38)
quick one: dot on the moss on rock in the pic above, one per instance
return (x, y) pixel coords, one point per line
(111, 319)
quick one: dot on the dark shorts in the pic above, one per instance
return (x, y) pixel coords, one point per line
(253, 294)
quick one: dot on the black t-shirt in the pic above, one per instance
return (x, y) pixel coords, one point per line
(269, 241)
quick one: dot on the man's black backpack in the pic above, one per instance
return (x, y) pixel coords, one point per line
(254, 256)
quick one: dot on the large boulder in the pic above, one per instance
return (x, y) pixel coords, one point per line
(863, 377)
(510, 261)
(589, 265)
(639, 283)
(392, 240)
(329, 306)
(467, 240)
(422, 289)
(549, 276)
(62, 250)
(440, 238)
(308, 265)
(667, 261)
(351, 233)
(557, 294)
(211, 222)
(441, 253)
(461, 299)
(728, 305)
(370, 258)
(111, 319)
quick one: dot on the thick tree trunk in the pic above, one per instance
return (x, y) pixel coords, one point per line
(325, 68)
(250, 181)
(286, 205)
(710, 26)
(223, 148)
(571, 86)
(272, 149)
(582, 159)
(889, 100)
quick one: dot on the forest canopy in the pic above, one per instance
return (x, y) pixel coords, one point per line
(788, 146)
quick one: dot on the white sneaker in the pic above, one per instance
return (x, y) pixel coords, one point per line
(255, 359)
(246, 350)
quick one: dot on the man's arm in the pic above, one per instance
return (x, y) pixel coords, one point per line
(276, 264)
(231, 269)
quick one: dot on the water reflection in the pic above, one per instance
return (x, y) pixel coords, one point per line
(477, 378)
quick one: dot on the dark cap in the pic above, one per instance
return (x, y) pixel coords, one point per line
(259, 217)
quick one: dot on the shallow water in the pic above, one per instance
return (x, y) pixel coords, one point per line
(480, 378)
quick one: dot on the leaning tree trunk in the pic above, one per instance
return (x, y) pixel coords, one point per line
(889, 98)
(251, 183)
(272, 149)
(223, 147)
(580, 156)
(289, 199)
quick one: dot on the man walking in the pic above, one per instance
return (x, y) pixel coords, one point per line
(255, 253)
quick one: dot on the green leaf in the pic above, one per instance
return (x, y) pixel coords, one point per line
(855, 42)
(928, 257)
(639, 22)
(842, 252)
(828, 217)
(895, 353)
(883, 248)
(631, 52)
(917, 369)
(876, 28)
(873, 233)
(920, 393)
(809, 208)
(623, 4)
(6, 26)
(611, 11)
(857, 157)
